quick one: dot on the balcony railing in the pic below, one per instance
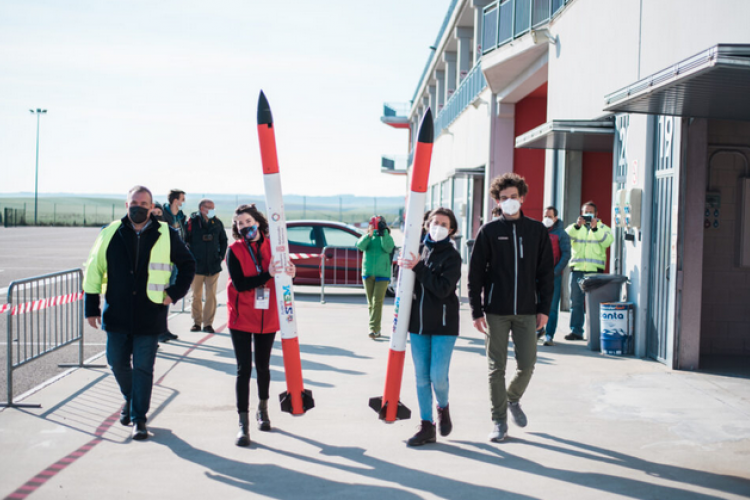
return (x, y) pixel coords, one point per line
(395, 164)
(504, 20)
(396, 109)
(471, 86)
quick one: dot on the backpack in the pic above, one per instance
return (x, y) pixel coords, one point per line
(556, 253)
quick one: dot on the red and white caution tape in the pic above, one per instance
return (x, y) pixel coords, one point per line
(303, 255)
(38, 305)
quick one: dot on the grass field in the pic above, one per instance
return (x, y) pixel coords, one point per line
(95, 210)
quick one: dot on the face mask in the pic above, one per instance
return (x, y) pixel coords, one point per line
(548, 222)
(438, 233)
(138, 214)
(510, 206)
(249, 232)
(210, 214)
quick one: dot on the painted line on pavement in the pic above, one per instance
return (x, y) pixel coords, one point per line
(40, 479)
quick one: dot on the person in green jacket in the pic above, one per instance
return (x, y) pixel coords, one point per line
(589, 240)
(377, 246)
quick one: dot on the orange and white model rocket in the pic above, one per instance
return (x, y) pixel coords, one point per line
(296, 400)
(388, 406)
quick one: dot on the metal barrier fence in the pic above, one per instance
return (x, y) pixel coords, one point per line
(44, 314)
(505, 20)
(339, 266)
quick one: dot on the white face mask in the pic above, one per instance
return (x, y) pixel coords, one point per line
(438, 233)
(548, 222)
(510, 206)
(210, 214)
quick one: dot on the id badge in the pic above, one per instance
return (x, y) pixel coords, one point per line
(262, 297)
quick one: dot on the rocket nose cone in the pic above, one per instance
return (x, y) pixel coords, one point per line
(264, 110)
(426, 129)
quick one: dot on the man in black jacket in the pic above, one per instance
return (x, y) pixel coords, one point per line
(136, 254)
(512, 269)
(207, 240)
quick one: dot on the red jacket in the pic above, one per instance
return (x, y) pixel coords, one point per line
(243, 315)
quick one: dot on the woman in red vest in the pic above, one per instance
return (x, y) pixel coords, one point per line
(253, 317)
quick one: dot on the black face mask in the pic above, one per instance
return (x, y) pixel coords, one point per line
(138, 214)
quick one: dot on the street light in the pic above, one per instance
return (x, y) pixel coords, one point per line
(38, 113)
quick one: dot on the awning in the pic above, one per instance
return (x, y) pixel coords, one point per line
(712, 84)
(573, 135)
(466, 172)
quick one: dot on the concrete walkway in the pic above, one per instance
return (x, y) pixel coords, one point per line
(599, 427)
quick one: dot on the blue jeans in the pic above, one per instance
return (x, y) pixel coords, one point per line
(554, 309)
(135, 379)
(576, 303)
(432, 358)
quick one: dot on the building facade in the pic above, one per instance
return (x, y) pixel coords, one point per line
(638, 105)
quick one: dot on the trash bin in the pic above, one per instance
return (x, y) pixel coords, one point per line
(599, 288)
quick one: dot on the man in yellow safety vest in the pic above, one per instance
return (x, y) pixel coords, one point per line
(131, 263)
(589, 240)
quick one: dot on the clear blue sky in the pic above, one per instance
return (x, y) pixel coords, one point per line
(164, 92)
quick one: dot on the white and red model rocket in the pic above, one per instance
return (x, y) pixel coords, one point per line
(388, 406)
(296, 400)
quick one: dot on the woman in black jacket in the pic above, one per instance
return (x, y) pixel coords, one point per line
(433, 324)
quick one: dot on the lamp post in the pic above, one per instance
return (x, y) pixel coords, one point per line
(38, 112)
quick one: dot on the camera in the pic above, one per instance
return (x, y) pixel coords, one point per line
(378, 223)
(588, 218)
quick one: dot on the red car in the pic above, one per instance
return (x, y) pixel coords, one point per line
(343, 261)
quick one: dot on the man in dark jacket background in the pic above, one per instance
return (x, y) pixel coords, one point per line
(207, 240)
(136, 254)
(511, 265)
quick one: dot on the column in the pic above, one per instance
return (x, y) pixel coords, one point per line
(450, 74)
(440, 89)
(465, 62)
(433, 100)
(478, 6)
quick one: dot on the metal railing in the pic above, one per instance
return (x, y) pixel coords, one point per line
(394, 163)
(504, 20)
(335, 269)
(399, 109)
(471, 86)
(44, 314)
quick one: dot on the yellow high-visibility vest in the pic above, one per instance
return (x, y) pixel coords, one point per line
(159, 265)
(589, 248)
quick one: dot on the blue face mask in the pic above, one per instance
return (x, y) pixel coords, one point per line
(249, 232)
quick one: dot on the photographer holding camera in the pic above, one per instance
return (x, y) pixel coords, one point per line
(589, 239)
(207, 240)
(377, 246)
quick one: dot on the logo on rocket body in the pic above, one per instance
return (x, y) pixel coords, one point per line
(287, 301)
(396, 303)
(275, 217)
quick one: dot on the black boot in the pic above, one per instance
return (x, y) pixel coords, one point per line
(264, 422)
(243, 436)
(125, 414)
(425, 435)
(444, 420)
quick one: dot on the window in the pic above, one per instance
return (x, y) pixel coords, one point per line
(302, 236)
(339, 238)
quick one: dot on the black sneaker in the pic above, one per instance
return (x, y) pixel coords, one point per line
(167, 336)
(209, 329)
(125, 414)
(425, 435)
(140, 432)
(195, 328)
(573, 336)
(540, 333)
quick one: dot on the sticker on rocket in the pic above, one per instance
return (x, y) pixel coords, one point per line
(296, 399)
(388, 406)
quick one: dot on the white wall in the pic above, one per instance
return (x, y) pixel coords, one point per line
(467, 147)
(603, 46)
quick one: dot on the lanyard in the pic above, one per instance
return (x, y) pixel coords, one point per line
(252, 255)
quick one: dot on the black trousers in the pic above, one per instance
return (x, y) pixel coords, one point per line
(243, 352)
